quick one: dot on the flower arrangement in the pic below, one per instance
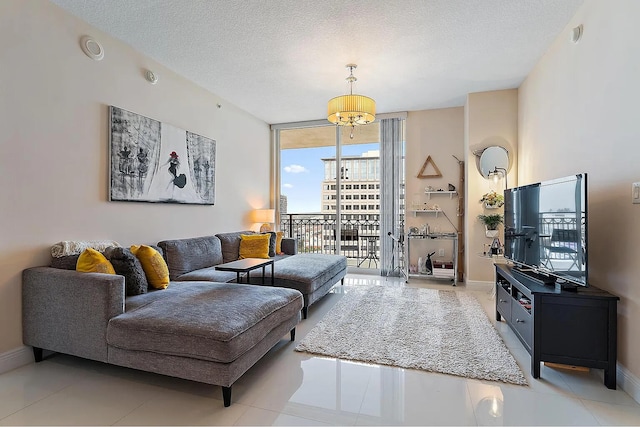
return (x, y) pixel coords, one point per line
(493, 199)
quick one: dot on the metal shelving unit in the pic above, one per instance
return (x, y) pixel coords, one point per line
(440, 236)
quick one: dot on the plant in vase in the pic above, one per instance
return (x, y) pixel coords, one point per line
(491, 223)
(492, 200)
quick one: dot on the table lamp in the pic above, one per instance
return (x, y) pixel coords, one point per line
(266, 217)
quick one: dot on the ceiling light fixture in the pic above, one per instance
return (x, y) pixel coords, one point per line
(351, 110)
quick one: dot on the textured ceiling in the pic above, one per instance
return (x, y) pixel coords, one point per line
(282, 60)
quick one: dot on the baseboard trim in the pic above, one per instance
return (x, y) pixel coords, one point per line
(628, 382)
(478, 285)
(15, 358)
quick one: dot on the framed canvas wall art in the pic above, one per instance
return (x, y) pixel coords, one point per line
(157, 162)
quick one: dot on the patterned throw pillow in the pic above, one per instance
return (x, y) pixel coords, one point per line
(154, 266)
(92, 261)
(126, 264)
(254, 246)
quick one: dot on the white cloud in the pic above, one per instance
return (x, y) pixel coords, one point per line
(295, 169)
(287, 185)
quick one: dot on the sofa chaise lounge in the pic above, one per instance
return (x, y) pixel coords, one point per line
(196, 258)
(201, 331)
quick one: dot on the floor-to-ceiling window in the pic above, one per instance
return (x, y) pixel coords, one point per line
(329, 190)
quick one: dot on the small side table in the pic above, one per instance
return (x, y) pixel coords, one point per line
(246, 265)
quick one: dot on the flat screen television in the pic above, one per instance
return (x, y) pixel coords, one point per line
(545, 229)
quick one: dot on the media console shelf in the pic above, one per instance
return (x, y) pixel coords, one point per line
(568, 327)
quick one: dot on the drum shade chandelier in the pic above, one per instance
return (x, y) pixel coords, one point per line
(351, 110)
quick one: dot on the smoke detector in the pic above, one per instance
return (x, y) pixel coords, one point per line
(151, 77)
(576, 34)
(92, 48)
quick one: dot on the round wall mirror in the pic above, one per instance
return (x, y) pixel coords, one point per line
(492, 158)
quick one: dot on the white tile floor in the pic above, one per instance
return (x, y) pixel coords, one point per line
(289, 388)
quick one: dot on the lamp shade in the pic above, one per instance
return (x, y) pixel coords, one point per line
(351, 110)
(264, 215)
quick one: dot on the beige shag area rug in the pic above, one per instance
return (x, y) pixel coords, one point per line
(433, 330)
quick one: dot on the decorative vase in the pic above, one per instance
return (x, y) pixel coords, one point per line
(488, 206)
(490, 233)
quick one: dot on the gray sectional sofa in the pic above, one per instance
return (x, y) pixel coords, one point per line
(198, 328)
(196, 258)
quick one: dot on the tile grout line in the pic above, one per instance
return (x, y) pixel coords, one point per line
(128, 413)
(37, 401)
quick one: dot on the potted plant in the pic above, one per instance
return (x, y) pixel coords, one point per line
(491, 223)
(492, 200)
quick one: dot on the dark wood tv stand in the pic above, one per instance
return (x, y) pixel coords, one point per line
(568, 327)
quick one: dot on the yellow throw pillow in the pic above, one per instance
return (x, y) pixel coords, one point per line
(279, 236)
(154, 266)
(254, 246)
(92, 261)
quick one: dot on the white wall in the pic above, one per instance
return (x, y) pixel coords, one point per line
(439, 134)
(54, 142)
(491, 119)
(578, 112)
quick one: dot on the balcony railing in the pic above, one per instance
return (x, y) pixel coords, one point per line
(316, 233)
(560, 229)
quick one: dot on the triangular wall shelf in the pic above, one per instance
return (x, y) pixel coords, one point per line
(427, 162)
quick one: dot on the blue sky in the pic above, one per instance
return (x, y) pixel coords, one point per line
(303, 171)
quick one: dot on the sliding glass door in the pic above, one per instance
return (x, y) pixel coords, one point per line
(343, 195)
(329, 190)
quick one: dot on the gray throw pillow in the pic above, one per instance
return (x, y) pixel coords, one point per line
(126, 264)
(67, 262)
(272, 243)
